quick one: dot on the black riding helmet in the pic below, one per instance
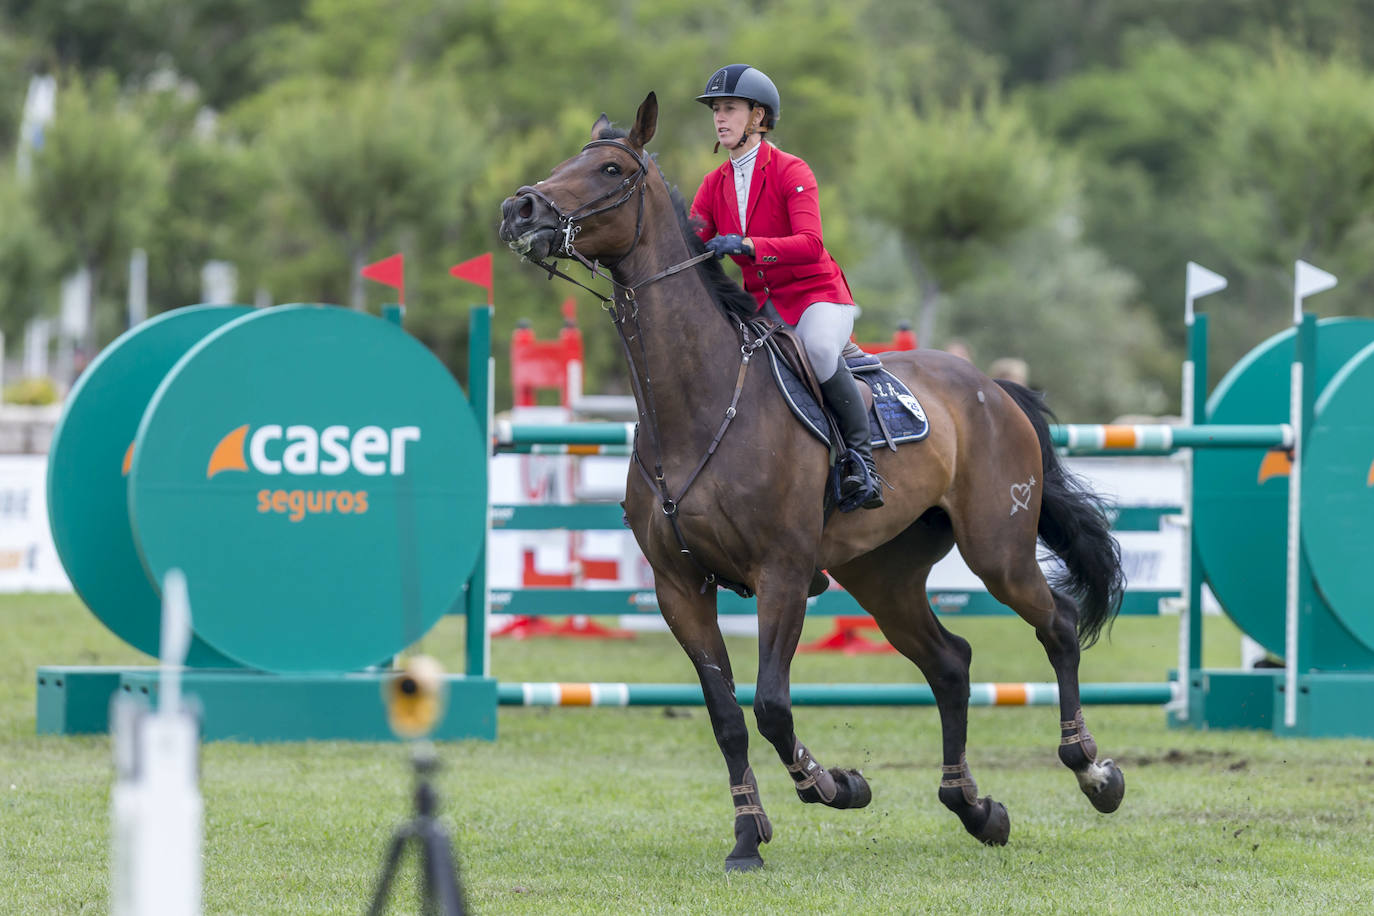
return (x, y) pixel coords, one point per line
(741, 81)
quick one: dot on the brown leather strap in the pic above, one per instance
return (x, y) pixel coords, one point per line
(811, 773)
(958, 776)
(748, 804)
(1075, 731)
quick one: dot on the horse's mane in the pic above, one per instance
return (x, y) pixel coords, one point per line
(729, 296)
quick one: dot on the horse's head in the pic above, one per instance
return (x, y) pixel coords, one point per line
(580, 209)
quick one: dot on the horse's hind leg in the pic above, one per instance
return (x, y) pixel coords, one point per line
(781, 609)
(1002, 554)
(890, 583)
(692, 618)
(1102, 781)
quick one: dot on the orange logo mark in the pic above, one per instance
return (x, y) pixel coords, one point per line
(1369, 481)
(228, 455)
(128, 460)
(1275, 464)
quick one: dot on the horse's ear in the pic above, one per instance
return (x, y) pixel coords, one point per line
(645, 122)
(602, 125)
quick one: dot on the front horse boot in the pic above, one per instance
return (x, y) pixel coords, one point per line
(859, 487)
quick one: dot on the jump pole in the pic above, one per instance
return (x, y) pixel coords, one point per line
(986, 694)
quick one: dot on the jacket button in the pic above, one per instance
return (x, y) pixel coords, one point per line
(760, 275)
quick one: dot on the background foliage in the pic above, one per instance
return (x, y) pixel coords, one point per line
(1025, 178)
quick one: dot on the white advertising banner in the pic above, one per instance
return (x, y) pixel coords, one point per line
(28, 559)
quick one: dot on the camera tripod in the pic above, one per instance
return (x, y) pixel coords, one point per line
(441, 894)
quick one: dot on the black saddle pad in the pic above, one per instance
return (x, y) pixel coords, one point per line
(895, 417)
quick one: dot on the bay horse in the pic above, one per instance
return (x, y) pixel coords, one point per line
(714, 502)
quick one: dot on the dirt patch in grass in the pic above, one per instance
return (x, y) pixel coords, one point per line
(1198, 757)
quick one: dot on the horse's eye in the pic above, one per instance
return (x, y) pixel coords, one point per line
(611, 168)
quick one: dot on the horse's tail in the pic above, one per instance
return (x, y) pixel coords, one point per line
(1074, 526)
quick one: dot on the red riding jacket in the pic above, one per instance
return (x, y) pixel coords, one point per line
(790, 263)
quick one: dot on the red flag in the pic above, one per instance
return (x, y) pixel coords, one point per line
(389, 272)
(476, 270)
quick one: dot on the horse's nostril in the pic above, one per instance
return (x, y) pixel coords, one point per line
(524, 209)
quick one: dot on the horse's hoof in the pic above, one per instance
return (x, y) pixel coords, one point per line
(997, 827)
(743, 863)
(853, 789)
(1106, 795)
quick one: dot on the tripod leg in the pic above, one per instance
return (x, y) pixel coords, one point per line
(443, 874)
(428, 904)
(393, 857)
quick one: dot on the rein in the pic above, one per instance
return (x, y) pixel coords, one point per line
(623, 308)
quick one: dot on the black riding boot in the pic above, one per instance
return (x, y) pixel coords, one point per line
(842, 394)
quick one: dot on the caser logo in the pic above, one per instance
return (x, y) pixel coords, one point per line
(301, 450)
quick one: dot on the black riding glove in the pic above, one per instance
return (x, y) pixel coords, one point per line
(722, 245)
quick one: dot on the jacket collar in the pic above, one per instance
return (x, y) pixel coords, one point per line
(760, 161)
(756, 182)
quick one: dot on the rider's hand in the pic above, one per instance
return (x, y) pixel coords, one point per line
(722, 245)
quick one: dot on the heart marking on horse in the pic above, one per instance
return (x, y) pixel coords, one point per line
(1020, 495)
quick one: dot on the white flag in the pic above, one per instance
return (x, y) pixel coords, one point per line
(1203, 282)
(1308, 280)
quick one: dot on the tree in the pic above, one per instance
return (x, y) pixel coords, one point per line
(96, 187)
(1291, 175)
(955, 183)
(1062, 307)
(358, 164)
(1144, 135)
(214, 189)
(26, 260)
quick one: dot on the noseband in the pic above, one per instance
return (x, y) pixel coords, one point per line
(568, 222)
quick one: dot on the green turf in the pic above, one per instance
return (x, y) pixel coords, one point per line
(626, 810)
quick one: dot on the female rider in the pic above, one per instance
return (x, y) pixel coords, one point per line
(762, 207)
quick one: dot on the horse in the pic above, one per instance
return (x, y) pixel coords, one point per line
(726, 488)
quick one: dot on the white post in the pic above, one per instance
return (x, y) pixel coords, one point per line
(37, 340)
(1307, 281)
(1198, 282)
(156, 810)
(138, 287)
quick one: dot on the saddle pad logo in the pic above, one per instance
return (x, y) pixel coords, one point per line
(912, 406)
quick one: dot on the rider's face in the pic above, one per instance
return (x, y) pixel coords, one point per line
(731, 117)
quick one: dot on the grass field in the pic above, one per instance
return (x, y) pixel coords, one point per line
(626, 811)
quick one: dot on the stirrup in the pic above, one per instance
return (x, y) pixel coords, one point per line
(862, 488)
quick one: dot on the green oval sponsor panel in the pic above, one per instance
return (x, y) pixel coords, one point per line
(1338, 495)
(1241, 494)
(88, 507)
(319, 476)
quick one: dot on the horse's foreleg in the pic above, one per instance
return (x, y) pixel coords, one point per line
(692, 618)
(781, 611)
(1102, 781)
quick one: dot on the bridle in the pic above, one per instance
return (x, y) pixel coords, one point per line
(569, 226)
(624, 310)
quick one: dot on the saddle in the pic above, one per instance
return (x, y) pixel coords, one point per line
(895, 416)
